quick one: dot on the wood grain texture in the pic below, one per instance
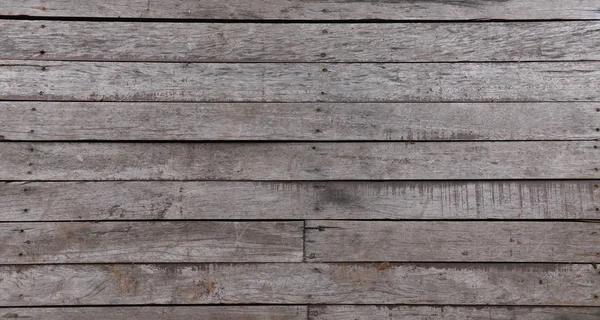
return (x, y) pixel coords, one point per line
(197, 241)
(155, 312)
(301, 82)
(270, 42)
(451, 313)
(80, 201)
(309, 9)
(300, 161)
(39, 121)
(472, 241)
(301, 283)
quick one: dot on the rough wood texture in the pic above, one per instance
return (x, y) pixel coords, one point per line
(307, 82)
(203, 42)
(170, 313)
(300, 161)
(40, 121)
(66, 201)
(340, 241)
(122, 242)
(309, 9)
(450, 313)
(301, 283)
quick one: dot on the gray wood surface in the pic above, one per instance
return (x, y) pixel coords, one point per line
(522, 241)
(308, 9)
(189, 241)
(39, 121)
(66, 201)
(301, 283)
(156, 312)
(450, 313)
(300, 161)
(271, 42)
(302, 82)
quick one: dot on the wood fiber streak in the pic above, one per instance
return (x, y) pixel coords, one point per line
(39, 121)
(299, 82)
(309, 9)
(124, 242)
(300, 161)
(301, 283)
(434, 241)
(315, 42)
(80, 201)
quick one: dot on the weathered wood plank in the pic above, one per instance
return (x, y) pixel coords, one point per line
(301, 283)
(309, 9)
(299, 161)
(323, 312)
(302, 82)
(473, 241)
(120, 242)
(80, 201)
(269, 42)
(39, 121)
(156, 312)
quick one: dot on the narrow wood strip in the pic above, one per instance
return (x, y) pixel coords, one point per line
(80, 201)
(322, 312)
(315, 42)
(299, 161)
(198, 241)
(155, 312)
(303, 82)
(41, 121)
(308, 9)
(340, 241)
(301, 283)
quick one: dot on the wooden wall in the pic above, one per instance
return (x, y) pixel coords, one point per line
(300, 159)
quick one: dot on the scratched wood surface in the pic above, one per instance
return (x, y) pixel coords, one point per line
(153, 312)
(300, 161)
(309, 9)
(356, 200)
(66, 121)
(299, 82)
(315, 42)
(197, 241)
(323, 312)
(301, 283)
(452, 241)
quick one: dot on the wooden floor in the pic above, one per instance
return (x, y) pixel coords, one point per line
(300, 159)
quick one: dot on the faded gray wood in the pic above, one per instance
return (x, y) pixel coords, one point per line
(308, 9)
(191, 241)
(269, 42)
(522, 241)
(301, 283)
(322, 312)
(302, 82)
(155, 312)
(66, 201)
(41, 121)
(300, 161)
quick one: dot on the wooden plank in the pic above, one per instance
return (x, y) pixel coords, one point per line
(108, 242)
(156, 312)
(39, 121)
(322, 312)
(301, 283)
(309, 9)
(302, 82)
(80, 201)
(505, 241)
(299, 161)
(273, 42)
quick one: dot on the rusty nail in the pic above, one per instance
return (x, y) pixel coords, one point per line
(31, 131)
(43, 26)
(323, 55)
(325, 31)
(316, 170)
